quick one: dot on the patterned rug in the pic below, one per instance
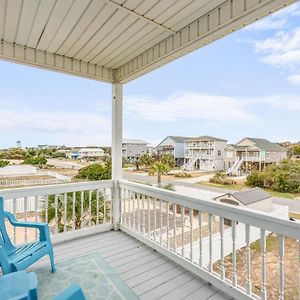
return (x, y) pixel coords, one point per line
(97, 279)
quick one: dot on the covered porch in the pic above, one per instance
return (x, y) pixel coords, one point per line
(162, 244)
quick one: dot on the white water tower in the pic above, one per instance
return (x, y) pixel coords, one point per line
(18, 144)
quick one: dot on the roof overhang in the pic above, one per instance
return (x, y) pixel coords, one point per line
(117, 40)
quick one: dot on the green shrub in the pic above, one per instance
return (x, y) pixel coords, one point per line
(284, 177)
(183, 175)
(3, 163)
(224, 181)
(37, 160)
(167, 186)
(95, 172)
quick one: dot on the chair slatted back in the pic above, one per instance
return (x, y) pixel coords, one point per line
(4, 237)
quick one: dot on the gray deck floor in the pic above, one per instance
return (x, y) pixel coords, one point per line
(149, 274)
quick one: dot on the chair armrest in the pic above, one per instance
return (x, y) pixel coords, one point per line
(13, 221)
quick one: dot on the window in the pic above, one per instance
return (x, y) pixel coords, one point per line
(219, 153)
(229, 154)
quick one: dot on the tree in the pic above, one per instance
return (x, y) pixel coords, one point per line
(160, 168)
(81, 217)
(95, 172)
(296, 150)
(284, 177)
(146, 160)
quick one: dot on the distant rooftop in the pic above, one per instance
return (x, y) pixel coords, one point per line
(206, 138)
(262, 144)
(250, 196)
(133, 141)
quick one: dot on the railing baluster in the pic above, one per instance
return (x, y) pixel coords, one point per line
(129, 208)
(97, 208)
(144, 218)
(182, 231)
(200, 221)
(264, 271)
(36, 215)
(73, 211)
(15, 212)
(234, 275)
(149, 218)
(46, 208)
(133, 210)
(25, 217)
(138, 198)
(65, 212)
(160, 222)
(174, 228)
(210, 242)
(154, 219)
(191, 233)
(248, 258)
(168, 223)
(90, 208)
(105, 213)
(122, 205)
(222, 271)
(108, 194)
(81, 209)
(56, 213)
(281, 266)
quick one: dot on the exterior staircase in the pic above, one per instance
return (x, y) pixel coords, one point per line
(189, 166)
(236, 166)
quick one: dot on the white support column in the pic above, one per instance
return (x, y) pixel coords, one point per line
(116, 149)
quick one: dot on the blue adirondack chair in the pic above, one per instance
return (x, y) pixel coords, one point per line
(16, 258)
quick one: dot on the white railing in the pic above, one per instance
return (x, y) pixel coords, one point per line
(192, 231)
(72, 210)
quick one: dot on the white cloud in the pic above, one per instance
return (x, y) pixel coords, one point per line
(189, 106)
(294, 79)
(73, 128)
(267, 24)
(192, 106)
(276, 21)
(282, 51)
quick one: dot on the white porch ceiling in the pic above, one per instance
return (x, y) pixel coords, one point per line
(118, 40)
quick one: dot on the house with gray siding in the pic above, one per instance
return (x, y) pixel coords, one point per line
(173, 145)
(252, 154)
(133, 149)
(204, 153)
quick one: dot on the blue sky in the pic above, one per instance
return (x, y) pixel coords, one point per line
(247, 84)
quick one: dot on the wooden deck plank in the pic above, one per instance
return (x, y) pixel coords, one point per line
(202, 293)
(185, 290)
(148, 273)
(168, 286)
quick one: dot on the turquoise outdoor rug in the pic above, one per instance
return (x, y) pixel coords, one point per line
(97, 279)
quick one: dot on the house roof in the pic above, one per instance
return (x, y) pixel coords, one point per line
(264, 144)
(134, 141)
(250, 196)
(117, 40)
(179, 139)
(206, 138)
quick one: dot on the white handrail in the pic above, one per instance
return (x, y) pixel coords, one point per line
(247, 216)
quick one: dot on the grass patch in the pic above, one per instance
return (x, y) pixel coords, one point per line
(239, 187)
(271, 244)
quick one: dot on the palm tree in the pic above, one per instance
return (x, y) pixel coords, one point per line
(160, 168)
(80, 216)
